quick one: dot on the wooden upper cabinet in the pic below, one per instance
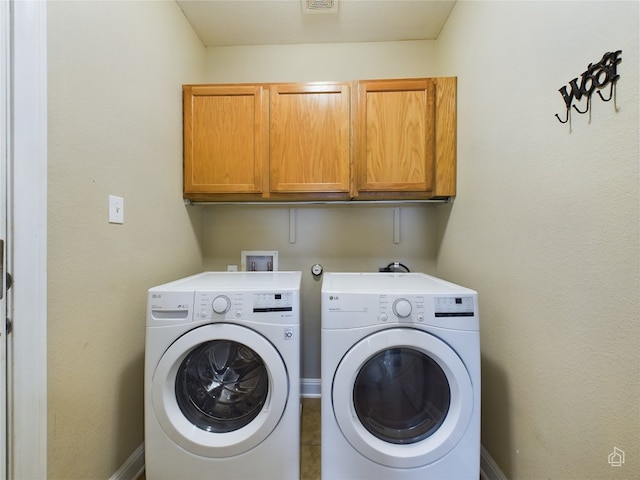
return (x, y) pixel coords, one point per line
(225, 141)
(310, 140)
(397, 139)
(366, 140)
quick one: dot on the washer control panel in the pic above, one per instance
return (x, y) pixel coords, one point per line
(454, 306)
(273, 302)
(237, 305)
(408, 308)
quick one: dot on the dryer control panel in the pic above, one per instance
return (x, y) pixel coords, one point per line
(406, 308)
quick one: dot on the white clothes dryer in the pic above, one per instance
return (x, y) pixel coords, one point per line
(222, 377)
(400, 378)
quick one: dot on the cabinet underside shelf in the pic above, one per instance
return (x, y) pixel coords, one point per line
(360, 203)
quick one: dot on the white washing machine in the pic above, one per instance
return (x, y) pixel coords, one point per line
(222, 377)
(400, 378)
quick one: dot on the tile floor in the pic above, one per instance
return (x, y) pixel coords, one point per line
(310, 439)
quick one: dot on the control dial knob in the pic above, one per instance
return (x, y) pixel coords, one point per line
(221, 304)
(402, 308)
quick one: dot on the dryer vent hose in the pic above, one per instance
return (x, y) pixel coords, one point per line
(394, 267)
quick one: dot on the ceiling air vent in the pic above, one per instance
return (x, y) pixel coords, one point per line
(319, 6)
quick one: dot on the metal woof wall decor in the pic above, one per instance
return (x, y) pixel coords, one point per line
(596, 77)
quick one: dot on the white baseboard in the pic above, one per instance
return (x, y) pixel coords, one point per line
(310, 388)
(133, 467)
(489, 469)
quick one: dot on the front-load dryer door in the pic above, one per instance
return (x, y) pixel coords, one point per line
(220, 390)
(402, 397)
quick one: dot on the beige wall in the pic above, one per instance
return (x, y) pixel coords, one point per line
(545, 227)
(115, 71)
(320, 62)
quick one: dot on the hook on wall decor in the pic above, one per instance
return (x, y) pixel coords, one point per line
(597, 76)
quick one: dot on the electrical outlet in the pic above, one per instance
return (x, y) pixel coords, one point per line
(116, 209)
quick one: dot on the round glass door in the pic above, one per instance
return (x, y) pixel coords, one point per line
(402, 397)
(220, 390)
(221, 386)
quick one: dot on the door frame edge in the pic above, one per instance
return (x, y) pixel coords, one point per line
(27, 210)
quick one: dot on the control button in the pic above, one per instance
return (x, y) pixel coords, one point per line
(221, 304)
(238, 313)
(203, 314)
(420, 317)
(384, 317)
(402, 308)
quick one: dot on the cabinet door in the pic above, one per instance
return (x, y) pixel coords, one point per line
(309, 140)
(225, 140)
(395, 138)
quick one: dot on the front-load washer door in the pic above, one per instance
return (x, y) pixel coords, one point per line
(402, 397)
(220, 390)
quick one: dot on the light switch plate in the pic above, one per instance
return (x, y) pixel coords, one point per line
(116, 209)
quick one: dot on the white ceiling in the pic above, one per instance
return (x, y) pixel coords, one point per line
(275, 22)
